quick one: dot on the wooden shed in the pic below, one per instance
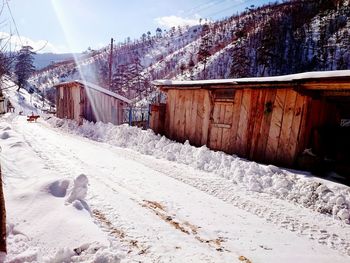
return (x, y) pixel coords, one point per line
(80, 100)
(270, 120)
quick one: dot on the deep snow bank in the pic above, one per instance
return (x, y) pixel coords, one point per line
(313, 193)
(53, 217)
(48, 219)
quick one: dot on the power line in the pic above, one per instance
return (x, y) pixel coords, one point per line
(204, 6)
(214, 4)
(41, 48)
(2, 7)
(201, 7)
(189, 10)
(14, 22)
(229, 7)
(201, 4)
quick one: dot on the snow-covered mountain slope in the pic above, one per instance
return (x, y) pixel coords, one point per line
(101, 193)
(275, 39)
(42, 60)
(135, 63)
(25, 103)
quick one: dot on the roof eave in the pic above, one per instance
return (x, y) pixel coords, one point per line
(91, 85)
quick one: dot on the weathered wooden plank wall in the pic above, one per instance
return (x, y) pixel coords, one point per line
(102, 107)
(75, 102)
(259, 150)
(199, 100)
(256, 134)
(67, 99)
(157, 119)
(267, 125)
(319, 113)
(187, 116)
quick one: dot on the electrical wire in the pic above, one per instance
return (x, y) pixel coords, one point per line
(2, 7)
(204, 6)
(14, 22)
(229, 7)
(36, 51)
(16, 28)
(214, 4)
(201, 7)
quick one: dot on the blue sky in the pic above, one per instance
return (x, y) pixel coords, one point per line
(74, 25)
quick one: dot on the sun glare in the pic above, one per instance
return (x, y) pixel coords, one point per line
(70, 38)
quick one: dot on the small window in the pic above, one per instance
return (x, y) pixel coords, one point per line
(224, 95)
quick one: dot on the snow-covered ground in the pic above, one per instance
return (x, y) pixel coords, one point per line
(101, 193)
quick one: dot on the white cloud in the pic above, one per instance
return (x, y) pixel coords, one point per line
(170, 21)
(14, 43)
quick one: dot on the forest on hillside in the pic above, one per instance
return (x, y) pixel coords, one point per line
(275, 39)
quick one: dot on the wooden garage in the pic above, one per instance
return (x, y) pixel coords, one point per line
(270, 120)
(80, 100)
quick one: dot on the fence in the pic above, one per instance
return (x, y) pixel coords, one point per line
(137, 116)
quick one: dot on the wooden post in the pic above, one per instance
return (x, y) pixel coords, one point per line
(130, 116)
(2, 218)
(156, 118)
(149, 116)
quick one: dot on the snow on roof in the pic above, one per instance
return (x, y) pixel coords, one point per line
(284, 78)
(96, 87)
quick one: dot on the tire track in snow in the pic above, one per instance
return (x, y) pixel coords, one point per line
(225, 190)
(52, 157)
(184, 227)
(157, 208)
(161, 211)
(188, 229)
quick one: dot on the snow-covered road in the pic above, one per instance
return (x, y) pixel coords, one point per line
(150, 209)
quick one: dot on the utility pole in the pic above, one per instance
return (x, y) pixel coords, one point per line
(110, 66)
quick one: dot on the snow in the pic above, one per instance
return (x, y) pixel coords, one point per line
(23, 102)
(38, 215)
(316, 194)
(104, 193)
(285, 78)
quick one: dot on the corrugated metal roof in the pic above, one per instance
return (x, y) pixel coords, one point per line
(95, 87)
(276, 79)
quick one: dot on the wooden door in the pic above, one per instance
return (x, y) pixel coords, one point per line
(220, 126)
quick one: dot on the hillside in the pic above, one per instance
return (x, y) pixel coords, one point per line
(42, 60)
(274, 39)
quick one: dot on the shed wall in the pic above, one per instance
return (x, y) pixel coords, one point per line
(157, 117)
(187, 116)
(76, 102)
(320, 113)
(102, 107)
(67, 101)
(267, 125)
